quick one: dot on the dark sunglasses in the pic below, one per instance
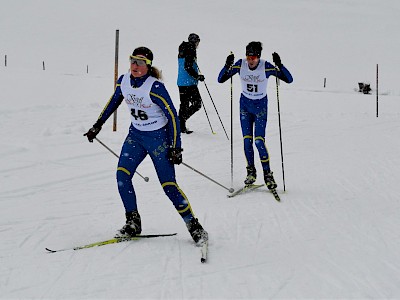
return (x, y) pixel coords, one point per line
(139, 61)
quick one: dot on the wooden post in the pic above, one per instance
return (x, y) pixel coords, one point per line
(116, 74)
(87, 69)
(376, 90)
(324, 82)
(43, 66)
(5, 61)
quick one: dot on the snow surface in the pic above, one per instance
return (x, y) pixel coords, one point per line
(334, 235)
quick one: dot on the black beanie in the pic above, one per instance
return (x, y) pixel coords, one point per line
(193, 38)
(254, 48)
(146, 52)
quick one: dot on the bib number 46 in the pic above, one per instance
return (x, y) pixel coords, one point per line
(139, 115)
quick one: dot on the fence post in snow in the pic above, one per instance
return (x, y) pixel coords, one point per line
(376, 90)
(116, 73)
(87, 69)
(324, 82)
(5, 61)
(43, 66)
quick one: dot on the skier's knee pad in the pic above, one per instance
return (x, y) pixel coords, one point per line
(175, 194)
(172, 190)
(123, 175)
(260, 143)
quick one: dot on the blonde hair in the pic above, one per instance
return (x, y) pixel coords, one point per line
(153, 71)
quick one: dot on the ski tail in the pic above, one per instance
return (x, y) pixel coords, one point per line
(204, 252)
(276, 196)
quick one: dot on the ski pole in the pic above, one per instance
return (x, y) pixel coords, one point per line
(231, 128)
(231, 190)
(105, 146)
(280, 130)
(212, 130)
(215, 107)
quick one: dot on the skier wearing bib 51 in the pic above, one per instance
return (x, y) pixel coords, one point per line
(154, 130)
(254, 73)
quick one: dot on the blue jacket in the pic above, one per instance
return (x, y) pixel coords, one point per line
(159, 95)
(188, 71)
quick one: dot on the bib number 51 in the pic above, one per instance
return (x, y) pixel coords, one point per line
(253, 88)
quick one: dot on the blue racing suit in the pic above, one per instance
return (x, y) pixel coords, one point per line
(156, 143)
(254, 112)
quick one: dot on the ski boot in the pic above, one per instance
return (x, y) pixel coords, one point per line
(184, 129)
(269, 180)
(251, 175)
(132, 227)
(199, 235)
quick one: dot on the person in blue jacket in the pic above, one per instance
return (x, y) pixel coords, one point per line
(154, 131)
(188, 78)
(254, 73)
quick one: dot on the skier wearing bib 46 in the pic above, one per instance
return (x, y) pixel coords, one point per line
(154, 130)
(254, 73)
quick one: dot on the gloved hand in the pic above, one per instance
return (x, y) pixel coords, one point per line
(230, 60)
(175, 155)
(93, 132)
(200, 77)
(276, 59)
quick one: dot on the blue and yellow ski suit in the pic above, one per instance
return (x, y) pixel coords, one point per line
(254, 112)
(156, 143)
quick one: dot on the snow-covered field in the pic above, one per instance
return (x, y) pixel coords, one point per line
(336, 233)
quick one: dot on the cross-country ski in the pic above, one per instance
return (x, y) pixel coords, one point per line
(112, 241)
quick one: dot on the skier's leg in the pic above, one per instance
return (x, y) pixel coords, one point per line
(194, 100)
(132, 154)
(184, 106)
(158, 149)
(166, 174)
(259, 138)
(260, 127)
(247, 123)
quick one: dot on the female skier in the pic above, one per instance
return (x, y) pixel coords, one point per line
(154, 130)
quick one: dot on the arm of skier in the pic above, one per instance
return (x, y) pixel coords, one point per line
(189, 62)
(159, 95)
(228, 71)
(282, 73)
(111, 106)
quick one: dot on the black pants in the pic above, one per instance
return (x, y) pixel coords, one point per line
(190, 102)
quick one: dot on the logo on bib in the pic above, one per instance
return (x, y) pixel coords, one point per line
(133, 100)
(253, 78)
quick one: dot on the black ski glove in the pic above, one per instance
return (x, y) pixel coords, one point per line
(200, 77)
(276, 59)
(175, 155)
(230, 60)
(93, 132)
